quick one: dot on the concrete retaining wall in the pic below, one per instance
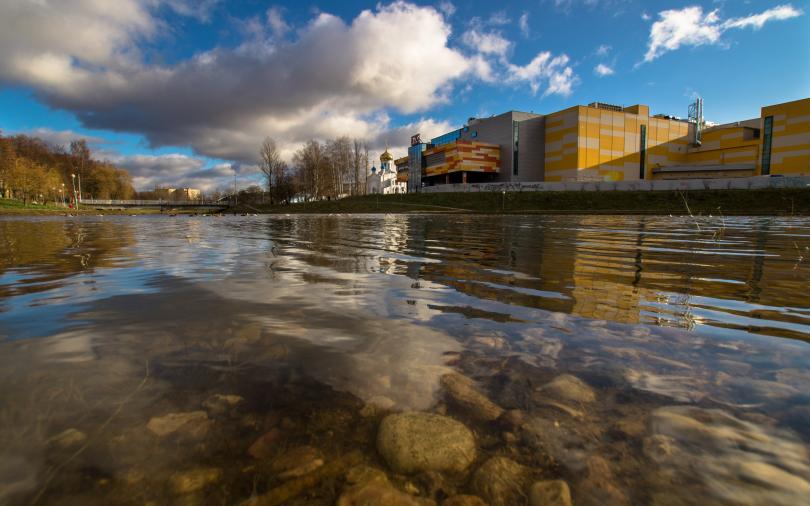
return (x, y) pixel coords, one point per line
(737, 183)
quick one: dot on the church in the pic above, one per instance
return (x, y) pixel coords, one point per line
(384, 180)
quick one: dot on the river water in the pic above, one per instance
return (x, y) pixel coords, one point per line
(240, 360)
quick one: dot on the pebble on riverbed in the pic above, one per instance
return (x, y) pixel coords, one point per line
(185, 482)
(463, 392)
(193, 424)
(501, 481)
(297, 462)
(417, 441)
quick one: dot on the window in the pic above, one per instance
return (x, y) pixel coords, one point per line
(642, 163)
(515, 138)
(475, 134)
(766, 146)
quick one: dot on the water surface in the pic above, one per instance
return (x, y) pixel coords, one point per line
(691, 333)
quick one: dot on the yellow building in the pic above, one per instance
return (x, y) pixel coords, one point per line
(785, 138)
(604, 142)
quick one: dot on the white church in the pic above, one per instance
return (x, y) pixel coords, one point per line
(384, 180)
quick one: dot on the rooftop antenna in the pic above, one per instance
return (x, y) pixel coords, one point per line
(696, 117)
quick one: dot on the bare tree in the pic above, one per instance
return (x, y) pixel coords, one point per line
(274, 169)
(81, 155)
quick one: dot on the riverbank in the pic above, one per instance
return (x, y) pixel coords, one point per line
(779, 202)
(16, 207)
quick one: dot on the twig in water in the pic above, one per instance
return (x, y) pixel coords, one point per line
(689, 210)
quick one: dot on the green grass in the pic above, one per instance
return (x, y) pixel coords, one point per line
(10, 206)
(730, 202)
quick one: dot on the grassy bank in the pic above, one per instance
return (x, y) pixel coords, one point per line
(16, 207)
(729, 202)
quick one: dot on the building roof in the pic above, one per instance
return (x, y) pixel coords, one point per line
(386, 156)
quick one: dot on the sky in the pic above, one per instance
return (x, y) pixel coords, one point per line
(182, 92)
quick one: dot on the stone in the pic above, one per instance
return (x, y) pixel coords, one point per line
(361, 474)
(550, 493)
(220, 404)
(464, 500)
(418, 441)
(512, 419)
(297, 462)
(265, 445)
(463, 392)
(569, 388)
(193, 423)
(501, 481)
(70, 438)
(185, 482)
(378, 494)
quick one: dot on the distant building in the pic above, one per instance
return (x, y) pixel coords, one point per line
(604, 142)
(177, 193)
(384, 181)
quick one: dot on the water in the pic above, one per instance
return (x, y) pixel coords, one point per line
(690, 338)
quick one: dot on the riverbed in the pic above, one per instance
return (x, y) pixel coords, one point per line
(404, 359)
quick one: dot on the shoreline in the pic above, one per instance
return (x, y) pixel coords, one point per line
(760, 202)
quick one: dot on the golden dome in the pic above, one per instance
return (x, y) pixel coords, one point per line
(386, 156)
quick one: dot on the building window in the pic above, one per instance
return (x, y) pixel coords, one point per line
(515, 137)
(475, 134)
(766, 146)
(642, 162)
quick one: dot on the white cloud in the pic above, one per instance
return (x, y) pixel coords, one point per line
(275, 18)
(756, 21)
(499, 18)
(62, 138)
(691, 27)
(486, 43)
(603, 50)
(545, 69)
(645, 16)
(523, 24)
(447, 7)
(603, 70)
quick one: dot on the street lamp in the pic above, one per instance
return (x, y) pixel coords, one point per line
(75, 201)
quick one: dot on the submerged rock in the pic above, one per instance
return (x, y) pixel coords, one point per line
(185, 482)
(417, 441)
(370, 487)
(569, 388)
(265, 445)
(550, 493)
(464, 500)
(220, 404)
(297, 462)
(193, 423)
(501, 482)
(463, 392)
(732, 460)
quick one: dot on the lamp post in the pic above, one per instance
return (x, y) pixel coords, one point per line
(75, 201)
(62, 195)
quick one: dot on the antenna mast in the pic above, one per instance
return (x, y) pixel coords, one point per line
(696, 117)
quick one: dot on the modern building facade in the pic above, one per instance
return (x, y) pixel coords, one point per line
(604, 142)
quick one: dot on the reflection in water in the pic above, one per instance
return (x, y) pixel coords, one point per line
(165, 359)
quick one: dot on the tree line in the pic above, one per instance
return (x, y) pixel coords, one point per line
(320, 170)
(33, 170)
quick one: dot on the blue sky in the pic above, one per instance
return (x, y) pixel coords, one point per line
(183, 91)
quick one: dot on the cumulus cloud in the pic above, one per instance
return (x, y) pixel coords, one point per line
(690, 26)
(222, 102)
(320, 80)
(603, 50)
(486, 43)
(603, 70)
(447, 7)
(62, 138)
(545, 68)
(183, 171)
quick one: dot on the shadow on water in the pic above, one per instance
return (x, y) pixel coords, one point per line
(222, 360)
